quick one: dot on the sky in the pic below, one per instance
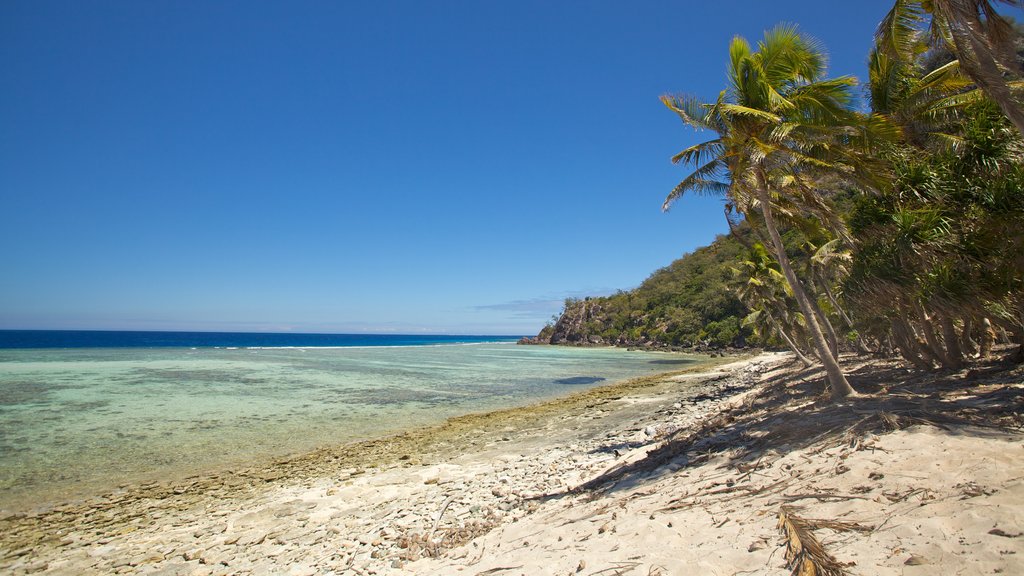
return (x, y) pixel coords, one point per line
(413, 167)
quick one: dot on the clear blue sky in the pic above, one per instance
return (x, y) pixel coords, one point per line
(438, 167)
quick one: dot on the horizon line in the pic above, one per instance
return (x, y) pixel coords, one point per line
(378, 333)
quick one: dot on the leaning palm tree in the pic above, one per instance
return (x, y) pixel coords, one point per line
(764, 291)
(778, 123)
(982, 40)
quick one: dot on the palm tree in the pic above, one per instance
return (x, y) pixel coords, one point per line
(777, 123)
(981, 39)
(765, 291)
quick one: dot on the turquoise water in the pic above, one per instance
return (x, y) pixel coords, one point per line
(77, 421)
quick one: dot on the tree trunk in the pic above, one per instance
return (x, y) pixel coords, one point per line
(830, 331)
(861, 347)
(792, 346)
(952, 342)
(836, 380)
(907, 343)
(734, 233)
(988, 339)
(977, 63)
(967, 343)
(928, 329)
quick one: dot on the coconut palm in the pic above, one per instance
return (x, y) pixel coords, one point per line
(764, 291)
(777, 123)
(981, 39)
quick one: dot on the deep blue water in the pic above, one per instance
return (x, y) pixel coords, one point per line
(119, 339)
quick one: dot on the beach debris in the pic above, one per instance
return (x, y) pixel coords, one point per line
(440, 515)
(805, 555)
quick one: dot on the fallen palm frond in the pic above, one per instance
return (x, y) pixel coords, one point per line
(805, 555)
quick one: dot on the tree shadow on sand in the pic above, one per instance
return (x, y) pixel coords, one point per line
(793, 412)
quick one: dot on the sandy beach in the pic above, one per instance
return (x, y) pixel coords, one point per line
(740, 468)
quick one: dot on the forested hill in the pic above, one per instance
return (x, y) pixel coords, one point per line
(690, 303)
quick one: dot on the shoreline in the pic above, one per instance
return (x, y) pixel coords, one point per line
(372, 452)
(228, 440)
(49, 535)
(662, 475)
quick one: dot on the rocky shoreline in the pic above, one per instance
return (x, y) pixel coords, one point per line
(368, 508)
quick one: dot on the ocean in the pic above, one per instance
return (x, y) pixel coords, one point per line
(84, 412)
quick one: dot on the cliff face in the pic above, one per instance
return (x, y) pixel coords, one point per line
(571, 327)
(579, 325)
(689, 304)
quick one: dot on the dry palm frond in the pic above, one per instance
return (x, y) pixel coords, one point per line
(805, 555)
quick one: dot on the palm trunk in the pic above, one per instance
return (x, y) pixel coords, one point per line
(735, 233)
(830, 331)
(929, 336)
(988, 339)
(919, 347)
(967, 343)
(792, 346)
(861, 347)
(907, 343)
(836, 380)
(982, 69)
(952, 342)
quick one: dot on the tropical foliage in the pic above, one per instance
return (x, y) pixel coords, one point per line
(893, 230)
(692, 303)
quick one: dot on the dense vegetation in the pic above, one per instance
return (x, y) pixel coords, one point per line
(692, 302)
(897, 230)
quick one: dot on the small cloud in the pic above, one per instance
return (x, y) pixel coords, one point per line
(535, 308)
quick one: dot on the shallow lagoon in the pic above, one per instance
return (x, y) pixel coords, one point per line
(78, 421)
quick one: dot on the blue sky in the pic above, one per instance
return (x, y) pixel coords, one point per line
(454, 167)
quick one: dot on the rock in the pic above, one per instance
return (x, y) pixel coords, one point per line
(274, 551)
(173, 568)
(147, 558)
(35, 567)
(916, 560)
(252, 538)
(213, 558)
